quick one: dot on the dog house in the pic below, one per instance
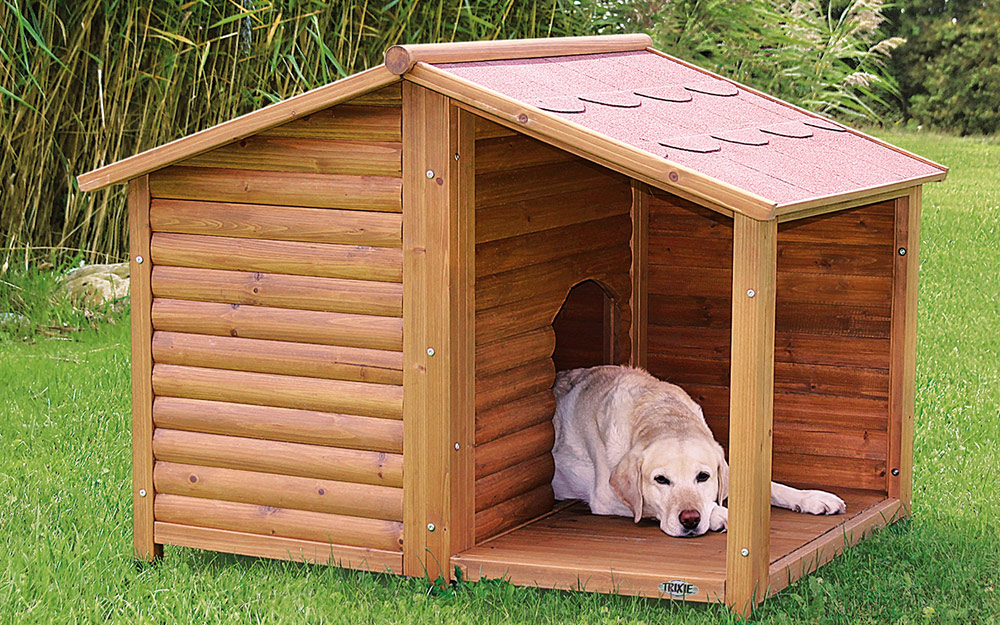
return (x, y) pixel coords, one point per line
(349, 308)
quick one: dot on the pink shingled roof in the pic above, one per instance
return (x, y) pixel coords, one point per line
(696, 120)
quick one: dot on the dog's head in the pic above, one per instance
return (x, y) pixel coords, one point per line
(677, 480)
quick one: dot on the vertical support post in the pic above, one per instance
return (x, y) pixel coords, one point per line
(438, 332)
(750, 409)
(638, 332)
(141, 296)
(902, 365)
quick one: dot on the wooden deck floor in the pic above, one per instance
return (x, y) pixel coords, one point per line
(572, 549)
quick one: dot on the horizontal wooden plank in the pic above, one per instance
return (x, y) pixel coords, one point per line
(510, 417)
(549, 245)
(248, 454)
(278, 548)
(836, 259)
(280, 357)
(502, 221)
(293, 154)
(391, 95)
(280, 491)
(346, 122)
(669, 214)
(828, 471)
(505, 386)
(516, 318)
(694, 311)
(514, 449)
(504, 485)
(516, 152)
(502, 355)
(279, 424)
(608, 265)
(682, 251)
(831, 411)
(690, 281)
(504, 187)
(826, 380)
(271, 521)
(368, 193)
(790, 347)
(833, 320)
(485, 129)
(866, 225)
(278, 223)
(836, 441)
(513, 512)
(284, 257)
(259, 322)
(361, 297)
(285, 391)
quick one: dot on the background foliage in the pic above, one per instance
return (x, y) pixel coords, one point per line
(950, 67)
(83, 84)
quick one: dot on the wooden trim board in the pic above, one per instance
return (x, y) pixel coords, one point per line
(307, 551)
(751, 411)
(141, 295)
(400, 58)
(236, 129)
(638, 330)
(438, 327)
(902, 366)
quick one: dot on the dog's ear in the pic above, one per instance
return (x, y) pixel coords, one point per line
(722, 473)
(626, 480)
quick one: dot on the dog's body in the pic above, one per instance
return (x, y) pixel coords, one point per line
(631, 445)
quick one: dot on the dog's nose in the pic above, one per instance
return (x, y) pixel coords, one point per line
(690, 519)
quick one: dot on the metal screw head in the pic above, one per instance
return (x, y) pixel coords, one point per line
(457, 446)
(895, 472)
(138, 260)
(902, 251)
(457, 156)
(430, 527)
(522, 118)
(744, 552)
(751, 293)
(142, 492)
(430, 351)
(673, 176)
(430, 173)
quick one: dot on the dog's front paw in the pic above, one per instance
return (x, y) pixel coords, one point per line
(719, 520)
(820, 502)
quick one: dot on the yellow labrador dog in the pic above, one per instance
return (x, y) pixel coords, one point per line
(632, 445)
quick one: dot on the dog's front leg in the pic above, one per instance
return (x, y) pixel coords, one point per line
(808, 501)
(718, 521)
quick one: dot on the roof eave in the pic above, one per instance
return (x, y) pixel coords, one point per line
(237, 128)
(611, 153)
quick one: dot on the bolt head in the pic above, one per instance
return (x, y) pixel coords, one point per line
(744, 552)
(430, 351)
(430, 527)
(751, 293)
(895, 472)
(142, 492)
(902, 251)
(138, 260)
(522, 118)
(430, 173)
(457, 156)
(457, 446)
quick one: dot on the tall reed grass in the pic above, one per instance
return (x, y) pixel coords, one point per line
(85, 83)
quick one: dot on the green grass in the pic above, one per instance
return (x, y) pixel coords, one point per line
(65, 537)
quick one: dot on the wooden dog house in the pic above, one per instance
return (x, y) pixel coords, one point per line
(348, 309)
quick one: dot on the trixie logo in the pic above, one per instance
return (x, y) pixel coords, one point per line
(678, 589)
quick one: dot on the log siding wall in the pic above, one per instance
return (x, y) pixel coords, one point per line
(545, 222)
(834, 296)
(277, 337)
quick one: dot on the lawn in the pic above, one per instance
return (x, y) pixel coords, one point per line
(65, 521)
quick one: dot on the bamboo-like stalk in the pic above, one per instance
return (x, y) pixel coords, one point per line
(133, 75)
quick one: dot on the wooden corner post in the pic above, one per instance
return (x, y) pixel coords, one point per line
(141, 296)
(438, 332)
(902, 366)
(639, 330)
(750, 412)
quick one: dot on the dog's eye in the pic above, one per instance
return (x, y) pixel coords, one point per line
(703, 477)
(661, 479)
